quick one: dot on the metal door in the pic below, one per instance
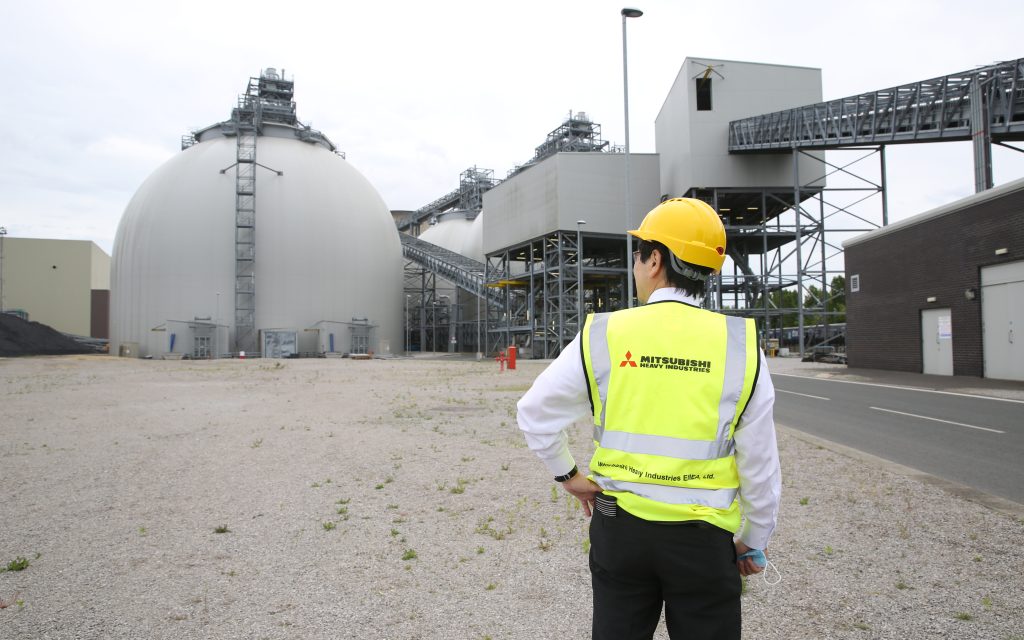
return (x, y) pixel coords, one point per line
(1002, 316)
(201, 347)
(937, 341)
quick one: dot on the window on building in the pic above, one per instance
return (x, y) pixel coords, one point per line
(703, 94)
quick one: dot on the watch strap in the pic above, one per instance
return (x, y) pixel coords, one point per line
(572, 472)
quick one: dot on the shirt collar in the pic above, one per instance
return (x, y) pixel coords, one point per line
(673, 294)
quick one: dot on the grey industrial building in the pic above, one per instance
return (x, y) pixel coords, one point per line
(942, 292)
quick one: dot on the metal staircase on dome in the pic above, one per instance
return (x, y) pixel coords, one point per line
(268, 98)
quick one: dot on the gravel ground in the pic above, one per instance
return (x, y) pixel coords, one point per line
(396, 499)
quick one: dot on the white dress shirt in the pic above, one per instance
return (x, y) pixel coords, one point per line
(559, 397)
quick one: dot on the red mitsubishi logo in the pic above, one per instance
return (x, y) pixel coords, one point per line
(628, 360)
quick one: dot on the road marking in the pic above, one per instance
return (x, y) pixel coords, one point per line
(896, 386)
(959, 424)
(806, 395)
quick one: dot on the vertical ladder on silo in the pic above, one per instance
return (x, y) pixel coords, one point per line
(245, 236)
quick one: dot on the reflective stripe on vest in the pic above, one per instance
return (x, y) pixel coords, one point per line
(714, 498)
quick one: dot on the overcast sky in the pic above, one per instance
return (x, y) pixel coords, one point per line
(98, 94)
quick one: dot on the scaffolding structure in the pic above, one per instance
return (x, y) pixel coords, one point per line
(577, 133)
(790, 240)
(468, 197)
(549, 284)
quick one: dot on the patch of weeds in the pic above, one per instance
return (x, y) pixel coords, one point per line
(410, 554)
(977, 558)
(504, 466)
(491, 586)
(344, 501)
(586, 545)
(389, 480)
(468, 458)
(142, 531)
(379, 486)
(484, 527)
(221, 529)
(20, 563)
(986, 602)
(554, 493)
(963, 615)
(315, 485)
(479, 551)
(861, 626)
(828, 550)
(460, 486)
(394, 533)
(256, 444)
(902, 585)
(440, 509)
(342, 511)
(329, 526)
(392, 505)
(804, 501)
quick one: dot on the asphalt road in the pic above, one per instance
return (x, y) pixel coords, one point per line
(972, 440)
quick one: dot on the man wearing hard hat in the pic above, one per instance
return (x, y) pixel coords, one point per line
(684, 481)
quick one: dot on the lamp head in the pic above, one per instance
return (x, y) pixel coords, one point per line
(631, 13)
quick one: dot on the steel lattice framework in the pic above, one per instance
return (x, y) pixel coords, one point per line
(935, 109)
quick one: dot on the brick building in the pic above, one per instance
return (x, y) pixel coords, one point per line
(942, 292)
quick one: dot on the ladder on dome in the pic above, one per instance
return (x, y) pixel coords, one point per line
(245, 231)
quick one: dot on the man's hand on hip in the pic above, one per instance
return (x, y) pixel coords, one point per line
(584, 490)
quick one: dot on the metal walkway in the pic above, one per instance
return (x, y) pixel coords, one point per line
(935, 110)
(465, 273)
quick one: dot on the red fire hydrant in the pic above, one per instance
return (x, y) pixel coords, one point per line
(501, 361)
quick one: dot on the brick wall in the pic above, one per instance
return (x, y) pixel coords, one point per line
(940, 257)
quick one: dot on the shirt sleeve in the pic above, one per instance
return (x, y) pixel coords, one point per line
(557, 398)
(757, 459)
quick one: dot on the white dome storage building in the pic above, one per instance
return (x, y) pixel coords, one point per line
(291, 251)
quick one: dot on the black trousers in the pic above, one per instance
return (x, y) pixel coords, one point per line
(637, 565)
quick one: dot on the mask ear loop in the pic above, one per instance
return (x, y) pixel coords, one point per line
(778, 574)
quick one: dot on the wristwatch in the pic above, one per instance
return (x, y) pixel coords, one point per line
(572, 472)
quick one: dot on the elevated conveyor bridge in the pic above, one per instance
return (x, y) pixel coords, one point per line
(465, 273)
(935, 110)
(983, 105)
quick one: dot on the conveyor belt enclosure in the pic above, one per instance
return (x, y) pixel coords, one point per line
(935, 110)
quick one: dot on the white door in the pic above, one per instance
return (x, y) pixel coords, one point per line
(937, 341)
(1002, 317)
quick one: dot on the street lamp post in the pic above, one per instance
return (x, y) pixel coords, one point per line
(627, 13)
(579, 273)
(3, 232)
(216, 328)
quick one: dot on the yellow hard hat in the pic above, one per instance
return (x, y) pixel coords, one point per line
(690, 229)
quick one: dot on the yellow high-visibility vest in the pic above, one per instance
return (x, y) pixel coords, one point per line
(668, 383)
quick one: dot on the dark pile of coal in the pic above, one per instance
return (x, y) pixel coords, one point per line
(22, 338)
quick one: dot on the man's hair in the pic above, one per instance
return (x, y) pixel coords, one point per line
(689, 286)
